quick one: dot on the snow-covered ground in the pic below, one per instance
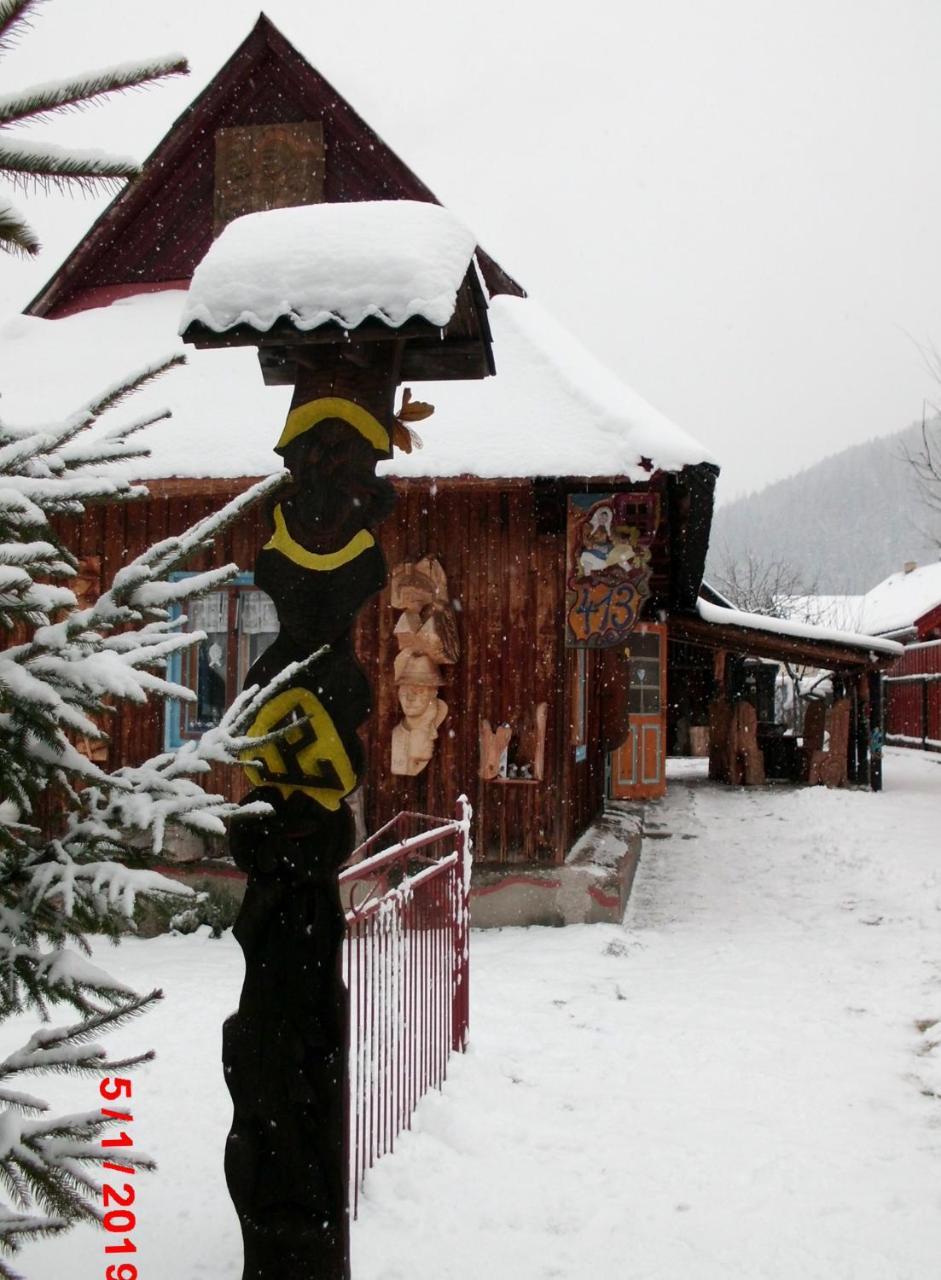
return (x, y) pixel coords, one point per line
(732, 1085)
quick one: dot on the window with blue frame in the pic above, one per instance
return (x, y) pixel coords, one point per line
(240, 623)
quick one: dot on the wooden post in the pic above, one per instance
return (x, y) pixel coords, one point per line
(876, 736)
(285, 1050)
(924, 715)
(852, 741)
(862, 731)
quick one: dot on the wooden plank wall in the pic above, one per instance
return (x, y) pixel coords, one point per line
(505, 579)
(905, 704)
(505, 566)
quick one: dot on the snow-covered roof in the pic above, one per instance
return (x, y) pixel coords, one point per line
(342, 263)
(799, 630)
(553, 409)
(844, 613)
(901, 599)
(895, 604)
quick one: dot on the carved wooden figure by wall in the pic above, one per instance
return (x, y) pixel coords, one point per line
(426, 633)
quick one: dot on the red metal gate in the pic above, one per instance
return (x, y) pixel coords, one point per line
(406, 968)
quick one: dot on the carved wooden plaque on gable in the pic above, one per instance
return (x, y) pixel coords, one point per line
(267, 166)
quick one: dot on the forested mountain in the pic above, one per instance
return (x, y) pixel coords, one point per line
(842, 525)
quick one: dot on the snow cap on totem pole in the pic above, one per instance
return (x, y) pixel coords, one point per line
(340, 264)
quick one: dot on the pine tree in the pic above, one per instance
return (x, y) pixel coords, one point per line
(70, 867)
(30, 164)
(76, 839)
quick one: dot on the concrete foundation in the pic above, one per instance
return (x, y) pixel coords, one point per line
(592, 886)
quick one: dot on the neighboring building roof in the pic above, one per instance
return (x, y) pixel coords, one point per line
(552, 410)
(709, 593)
(332, 264)
(904, 601)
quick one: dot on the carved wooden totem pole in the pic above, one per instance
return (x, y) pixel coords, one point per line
(285, 1050)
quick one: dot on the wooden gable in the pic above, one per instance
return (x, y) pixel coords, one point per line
(156, 231)
(267, 166)
(929, 623)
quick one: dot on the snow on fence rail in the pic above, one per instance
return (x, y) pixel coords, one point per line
(406, 968)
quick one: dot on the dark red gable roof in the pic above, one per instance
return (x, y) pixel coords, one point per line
(929, 623)
(155, 232)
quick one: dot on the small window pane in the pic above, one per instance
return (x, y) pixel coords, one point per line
(258, 628)
(211, 698)
(257, 614)
(644, 687)
(209, 613)
(240, 623)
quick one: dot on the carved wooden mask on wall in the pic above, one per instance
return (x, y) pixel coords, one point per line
(426, 634)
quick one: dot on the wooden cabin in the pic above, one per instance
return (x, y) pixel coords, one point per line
(547, 548)
(549, 538)
(548, 542)
(518, 469)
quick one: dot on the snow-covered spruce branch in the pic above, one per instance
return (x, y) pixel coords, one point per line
(62, 678)
(162, 792)
(40, 101)
(54, 691)
(77, 839)
(18, 237)
(45, 165)
(76, 1047)
(41, 452)
(16, 18)
(50, 1162)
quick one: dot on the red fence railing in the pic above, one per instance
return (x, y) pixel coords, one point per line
(406, 968)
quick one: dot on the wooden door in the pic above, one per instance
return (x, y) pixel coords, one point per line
(638, 765)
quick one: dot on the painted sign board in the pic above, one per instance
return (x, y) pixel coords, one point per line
(608, 556)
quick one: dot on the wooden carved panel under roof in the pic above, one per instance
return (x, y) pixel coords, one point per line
(268, 166)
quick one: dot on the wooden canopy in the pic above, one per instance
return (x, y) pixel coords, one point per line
(825, 653)
(463, 349)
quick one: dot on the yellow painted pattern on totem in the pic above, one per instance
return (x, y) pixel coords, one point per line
(308, 757)
(321, 563)
(309, 415)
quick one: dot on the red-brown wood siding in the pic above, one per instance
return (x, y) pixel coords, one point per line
(504, 560)
(905, 704)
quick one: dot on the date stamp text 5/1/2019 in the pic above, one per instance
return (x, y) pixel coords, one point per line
(118, 1196)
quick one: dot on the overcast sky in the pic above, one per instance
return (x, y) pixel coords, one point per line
(735, 203)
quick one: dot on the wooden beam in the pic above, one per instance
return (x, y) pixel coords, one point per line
(282, 334)
(200, 486)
